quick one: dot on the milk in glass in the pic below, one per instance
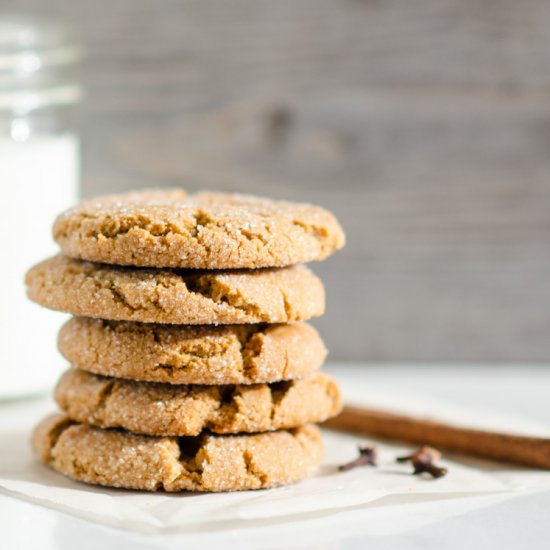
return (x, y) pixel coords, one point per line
(39, 177)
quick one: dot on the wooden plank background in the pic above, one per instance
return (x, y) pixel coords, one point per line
(424, 125)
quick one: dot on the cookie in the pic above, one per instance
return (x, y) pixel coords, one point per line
(175, 296)
(183, 354)
(208, 463)
(209, 231)
(164, 409)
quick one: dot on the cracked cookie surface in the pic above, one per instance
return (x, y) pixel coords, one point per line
(182, 354)
(163, 409)
(176, 296)
(207, 463)
(208, 230)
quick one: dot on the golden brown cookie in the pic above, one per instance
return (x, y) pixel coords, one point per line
(165, 409)
(208, 463)
(182, 354)
(169, 228)
(176, 296)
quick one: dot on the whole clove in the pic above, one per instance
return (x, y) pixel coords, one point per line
(423, 462)
(368, 456)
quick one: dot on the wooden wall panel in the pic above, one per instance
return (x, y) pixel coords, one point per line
(424, 125)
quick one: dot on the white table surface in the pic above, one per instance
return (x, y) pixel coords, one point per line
(523, 390)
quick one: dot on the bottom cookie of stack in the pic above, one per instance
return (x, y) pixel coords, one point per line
(206, 463)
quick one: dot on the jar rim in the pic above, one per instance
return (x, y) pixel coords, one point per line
(31, 44)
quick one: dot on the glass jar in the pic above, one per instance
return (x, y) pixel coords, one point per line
(39, 177)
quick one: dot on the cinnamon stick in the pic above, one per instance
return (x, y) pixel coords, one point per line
(502, 447)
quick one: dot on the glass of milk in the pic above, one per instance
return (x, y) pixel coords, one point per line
(39, 177)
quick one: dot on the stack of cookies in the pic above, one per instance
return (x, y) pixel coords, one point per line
(192, 368)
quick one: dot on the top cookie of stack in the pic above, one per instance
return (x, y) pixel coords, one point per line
(204, 231)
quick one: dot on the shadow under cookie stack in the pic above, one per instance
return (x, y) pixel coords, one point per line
(192, 366)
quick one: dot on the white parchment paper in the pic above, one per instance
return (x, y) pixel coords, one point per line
(386, 499)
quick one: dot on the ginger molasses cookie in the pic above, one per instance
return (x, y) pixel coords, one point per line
(209, 231)
(176, 296)
(165, 409)
(184, 354)
(208, 463)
